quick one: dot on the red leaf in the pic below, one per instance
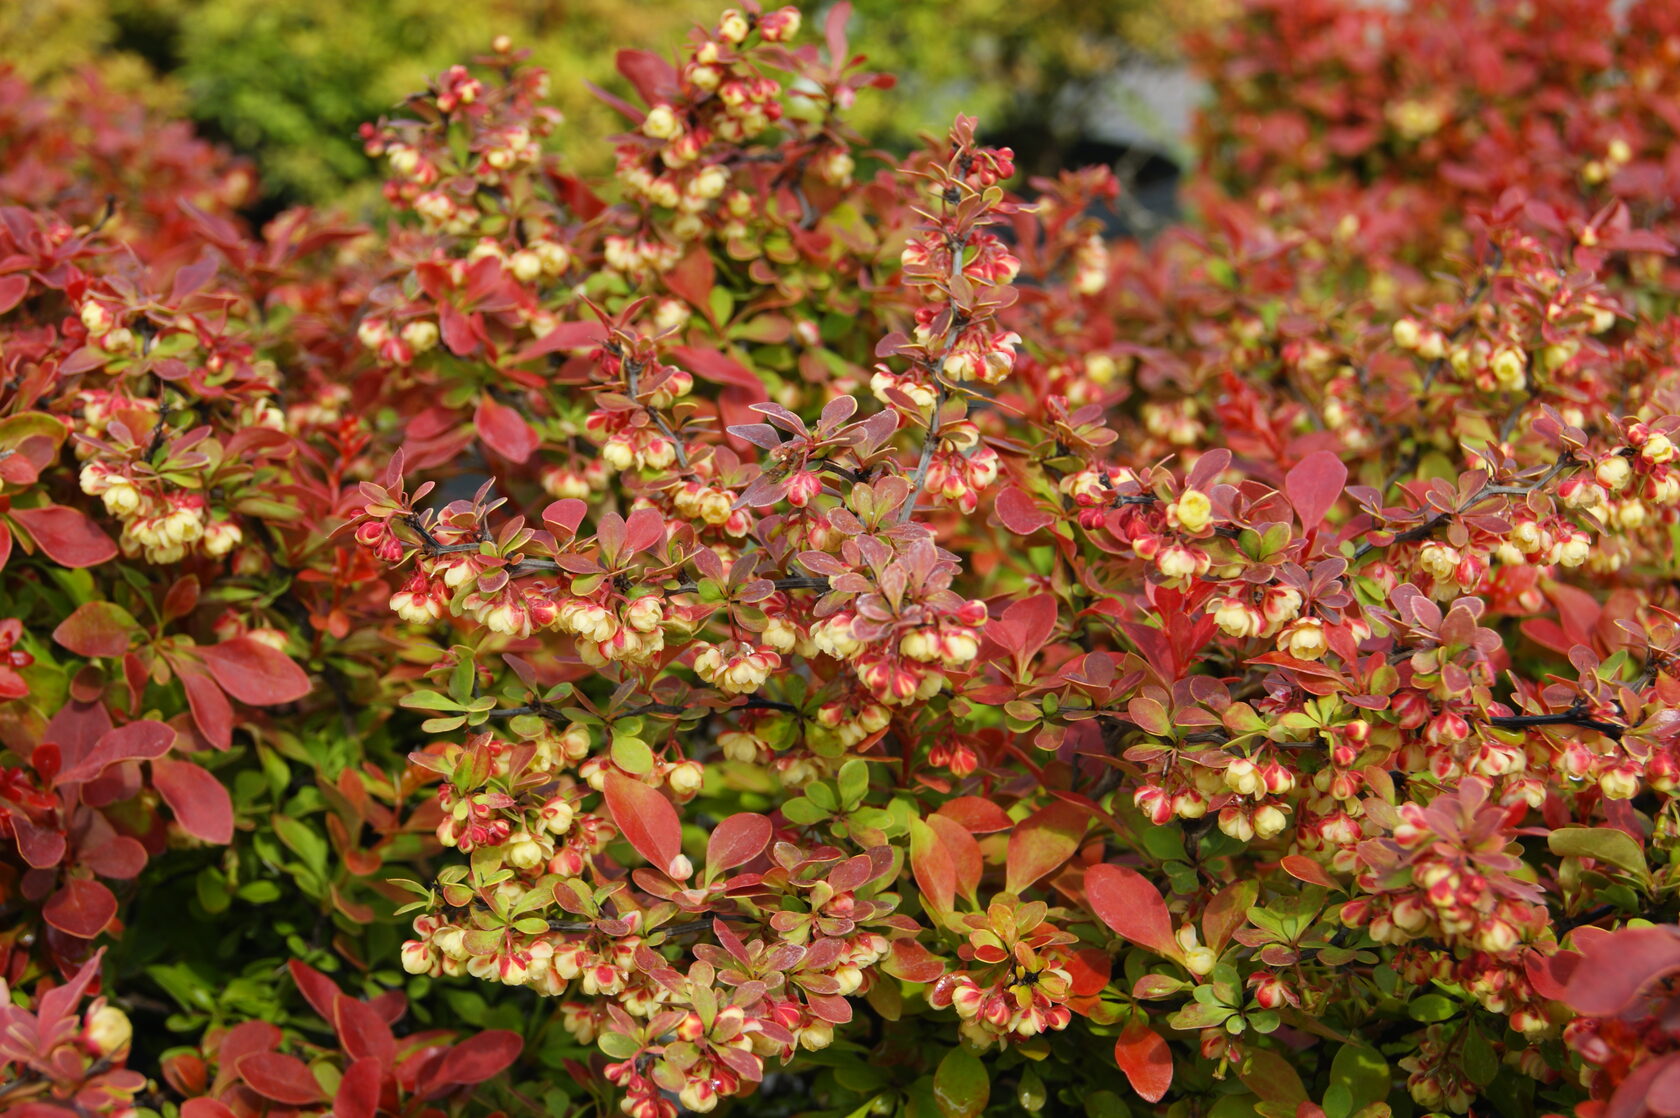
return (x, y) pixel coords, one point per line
(33, 1109)
(120, 858)
(1314, 485)
(652, 76)
(245, 1038)
(737, 840)
(321, 992)
(931, 864)
(644, 530)
(1615, 968)
(41, 847)
(504, 430)
(254, 673)
(1227, 912)
(692, 279)
(1302, 868)
(182, 597)
(285, 1079)
(457, 330)
(1663, 1095)
(1146, 1060)
(68, 536)
(834, 31)
(81, 908)
(205, 1108)
(1034, 619)
(1549, 974)
(211, 711)
(1019, 512)
(12, 685)
(981, 816)
(562, 517)
(60, 1002)
(566, 335)
(966, 861)
(1089, 970)
(200, 802)
(365, 1034)
(912, 962)
(137, 741)
(479, 1057)
(719, 369)
(97, 629)
(1041, 842)
(12, 289)
(358, 1092)
(646, 819)
(1129, 904)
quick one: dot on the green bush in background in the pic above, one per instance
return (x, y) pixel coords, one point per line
(289, 81)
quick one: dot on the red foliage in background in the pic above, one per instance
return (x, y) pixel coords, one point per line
(854, 617)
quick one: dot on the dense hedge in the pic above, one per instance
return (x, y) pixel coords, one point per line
(791, 629)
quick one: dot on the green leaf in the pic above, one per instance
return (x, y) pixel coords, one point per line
(802, 811)
(1606, 844)
(721, 303)
(428, 700)
(304, 841)
(1363, 1072)
(266, 509)
(1105, 1104)
(212, 890)
(1029, 1092)
(1432, 1007)
(259, 892)
(618, 1045)
(632, 754)
(961, 1086)
(854, 782)
(1273, 1078)
(1478, 1058)
(1199, 1016)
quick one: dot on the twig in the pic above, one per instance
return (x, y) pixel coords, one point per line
(632, 373)
(1427, 528)
(1574, 716)
(959, 322)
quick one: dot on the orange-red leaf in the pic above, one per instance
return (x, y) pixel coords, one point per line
(1146, 1060)
(647, 821)
(1125, 901)
(1042, 842)
(254, 672)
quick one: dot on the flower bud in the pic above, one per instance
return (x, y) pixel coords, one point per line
(1200, 960)
(1281, 604)
(1613, 472)
(107, 1031)
(1237, 619)
(686, 778)
(417, 958)
(662, 123)
(1304, 639)
(1192, 511)
(733, 26)
(1657, 449)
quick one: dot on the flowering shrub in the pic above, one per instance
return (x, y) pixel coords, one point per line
(840, 634)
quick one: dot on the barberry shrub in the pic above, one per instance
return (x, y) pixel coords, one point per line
(842, 635)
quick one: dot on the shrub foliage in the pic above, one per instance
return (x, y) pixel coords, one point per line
(799, 630)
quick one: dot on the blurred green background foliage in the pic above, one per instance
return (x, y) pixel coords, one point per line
(289, 81)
